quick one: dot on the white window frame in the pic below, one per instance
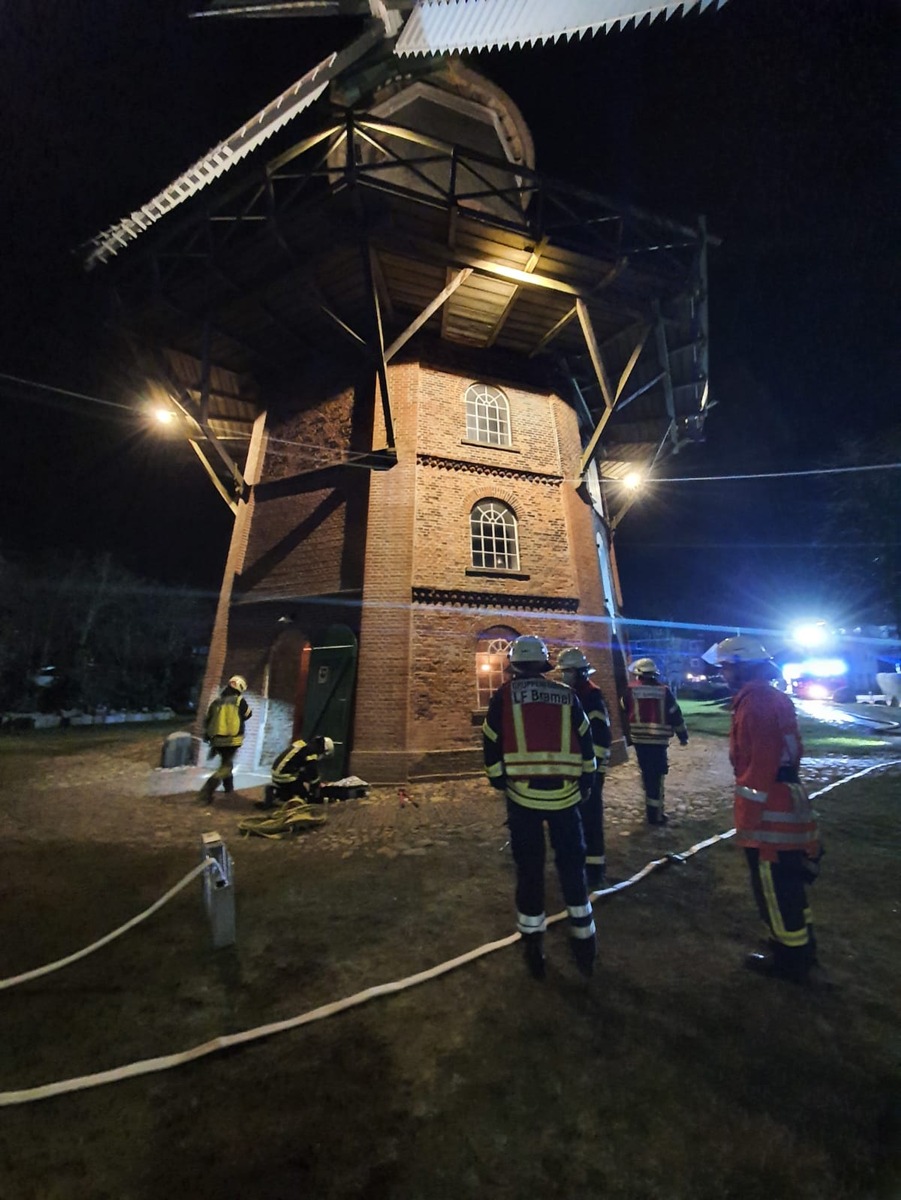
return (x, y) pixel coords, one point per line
(487, 415)
(491, 665)
(493, 536)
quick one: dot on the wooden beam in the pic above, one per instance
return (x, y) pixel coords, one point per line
(553, 331)
(430, 309)
(530, 266)
(614, 271)
(217, 482)
(594, 352)
(375, 265)
(595, 438)
(427, 252)
(633, 359)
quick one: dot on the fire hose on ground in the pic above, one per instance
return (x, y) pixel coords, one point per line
(230, 1041)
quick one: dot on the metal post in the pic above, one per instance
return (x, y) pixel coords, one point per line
(219, 890)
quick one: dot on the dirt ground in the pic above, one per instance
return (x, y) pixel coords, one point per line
(669, 1075)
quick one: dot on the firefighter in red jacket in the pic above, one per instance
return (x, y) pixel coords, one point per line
(774, 822)
(538, 751)
(652, 716)
(576, 669)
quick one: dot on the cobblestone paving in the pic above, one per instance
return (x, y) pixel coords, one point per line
(110, 795)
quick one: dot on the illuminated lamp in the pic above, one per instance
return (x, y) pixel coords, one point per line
(816, 691)
(165, 416)
(633, 480)
(812, 634)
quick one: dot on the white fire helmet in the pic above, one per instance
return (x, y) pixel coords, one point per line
(328, 748)
(643, 666)
(572, 659)
(238, 683)
(741, 649)
(529, 650)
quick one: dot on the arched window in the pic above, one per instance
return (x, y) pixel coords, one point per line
(491, 661)
(487, 415)
(495, 544)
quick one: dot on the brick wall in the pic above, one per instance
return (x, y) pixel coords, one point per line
(396, 544)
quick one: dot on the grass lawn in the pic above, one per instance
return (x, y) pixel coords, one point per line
(673, 1074)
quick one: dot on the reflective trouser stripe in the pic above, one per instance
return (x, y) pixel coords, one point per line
(527, 924)
(581, 921)
(658, 803)
(595, 860)
(788, 937)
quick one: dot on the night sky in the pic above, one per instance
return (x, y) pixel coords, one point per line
(778, 120)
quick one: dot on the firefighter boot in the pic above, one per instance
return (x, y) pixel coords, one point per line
(655, 815)
(595, 874)
(584, 951)
(205, 795)
(228, 783)
(533, 953)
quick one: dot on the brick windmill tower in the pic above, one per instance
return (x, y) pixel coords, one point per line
(418, 372)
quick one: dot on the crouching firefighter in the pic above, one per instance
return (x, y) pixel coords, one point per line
(652, 716)
(774, 821)
(538, 750)
(224, 733)
(576, 670)
(295, 773)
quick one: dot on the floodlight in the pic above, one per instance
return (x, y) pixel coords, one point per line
(633, 480)
(165, 416)
(811, 634)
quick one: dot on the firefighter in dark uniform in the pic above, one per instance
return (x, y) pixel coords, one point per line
(774, 822)
(576, 669)
(538, 750)
(652, 716)
(295, 773)
(224, 733)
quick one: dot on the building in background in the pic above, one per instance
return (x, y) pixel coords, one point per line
(419, 373)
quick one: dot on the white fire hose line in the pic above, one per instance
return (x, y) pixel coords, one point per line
(110, 937)
(166, 1062)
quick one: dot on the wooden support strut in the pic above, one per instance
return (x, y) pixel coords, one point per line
(609, 400)
(430, 309)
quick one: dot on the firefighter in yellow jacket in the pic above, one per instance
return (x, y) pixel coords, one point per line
(538, 750)
(774, 821)
(651, 717)
(295, 772)
(224, 733)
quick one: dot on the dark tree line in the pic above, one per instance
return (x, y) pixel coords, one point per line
(861, 533)
(85, 633)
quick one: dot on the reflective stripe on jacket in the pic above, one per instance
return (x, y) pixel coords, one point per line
(537, 743)
(652, 714)
(772, 809)
(299, 761)
(592, 700)
(220, 741)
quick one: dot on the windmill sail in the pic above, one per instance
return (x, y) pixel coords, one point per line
(455, 26)
(432, 27)
(293, 101)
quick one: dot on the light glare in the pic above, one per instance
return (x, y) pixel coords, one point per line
(812, 634)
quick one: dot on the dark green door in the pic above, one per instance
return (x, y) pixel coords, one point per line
(327, 707)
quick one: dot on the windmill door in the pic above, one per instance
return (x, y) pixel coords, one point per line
(331, 674)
